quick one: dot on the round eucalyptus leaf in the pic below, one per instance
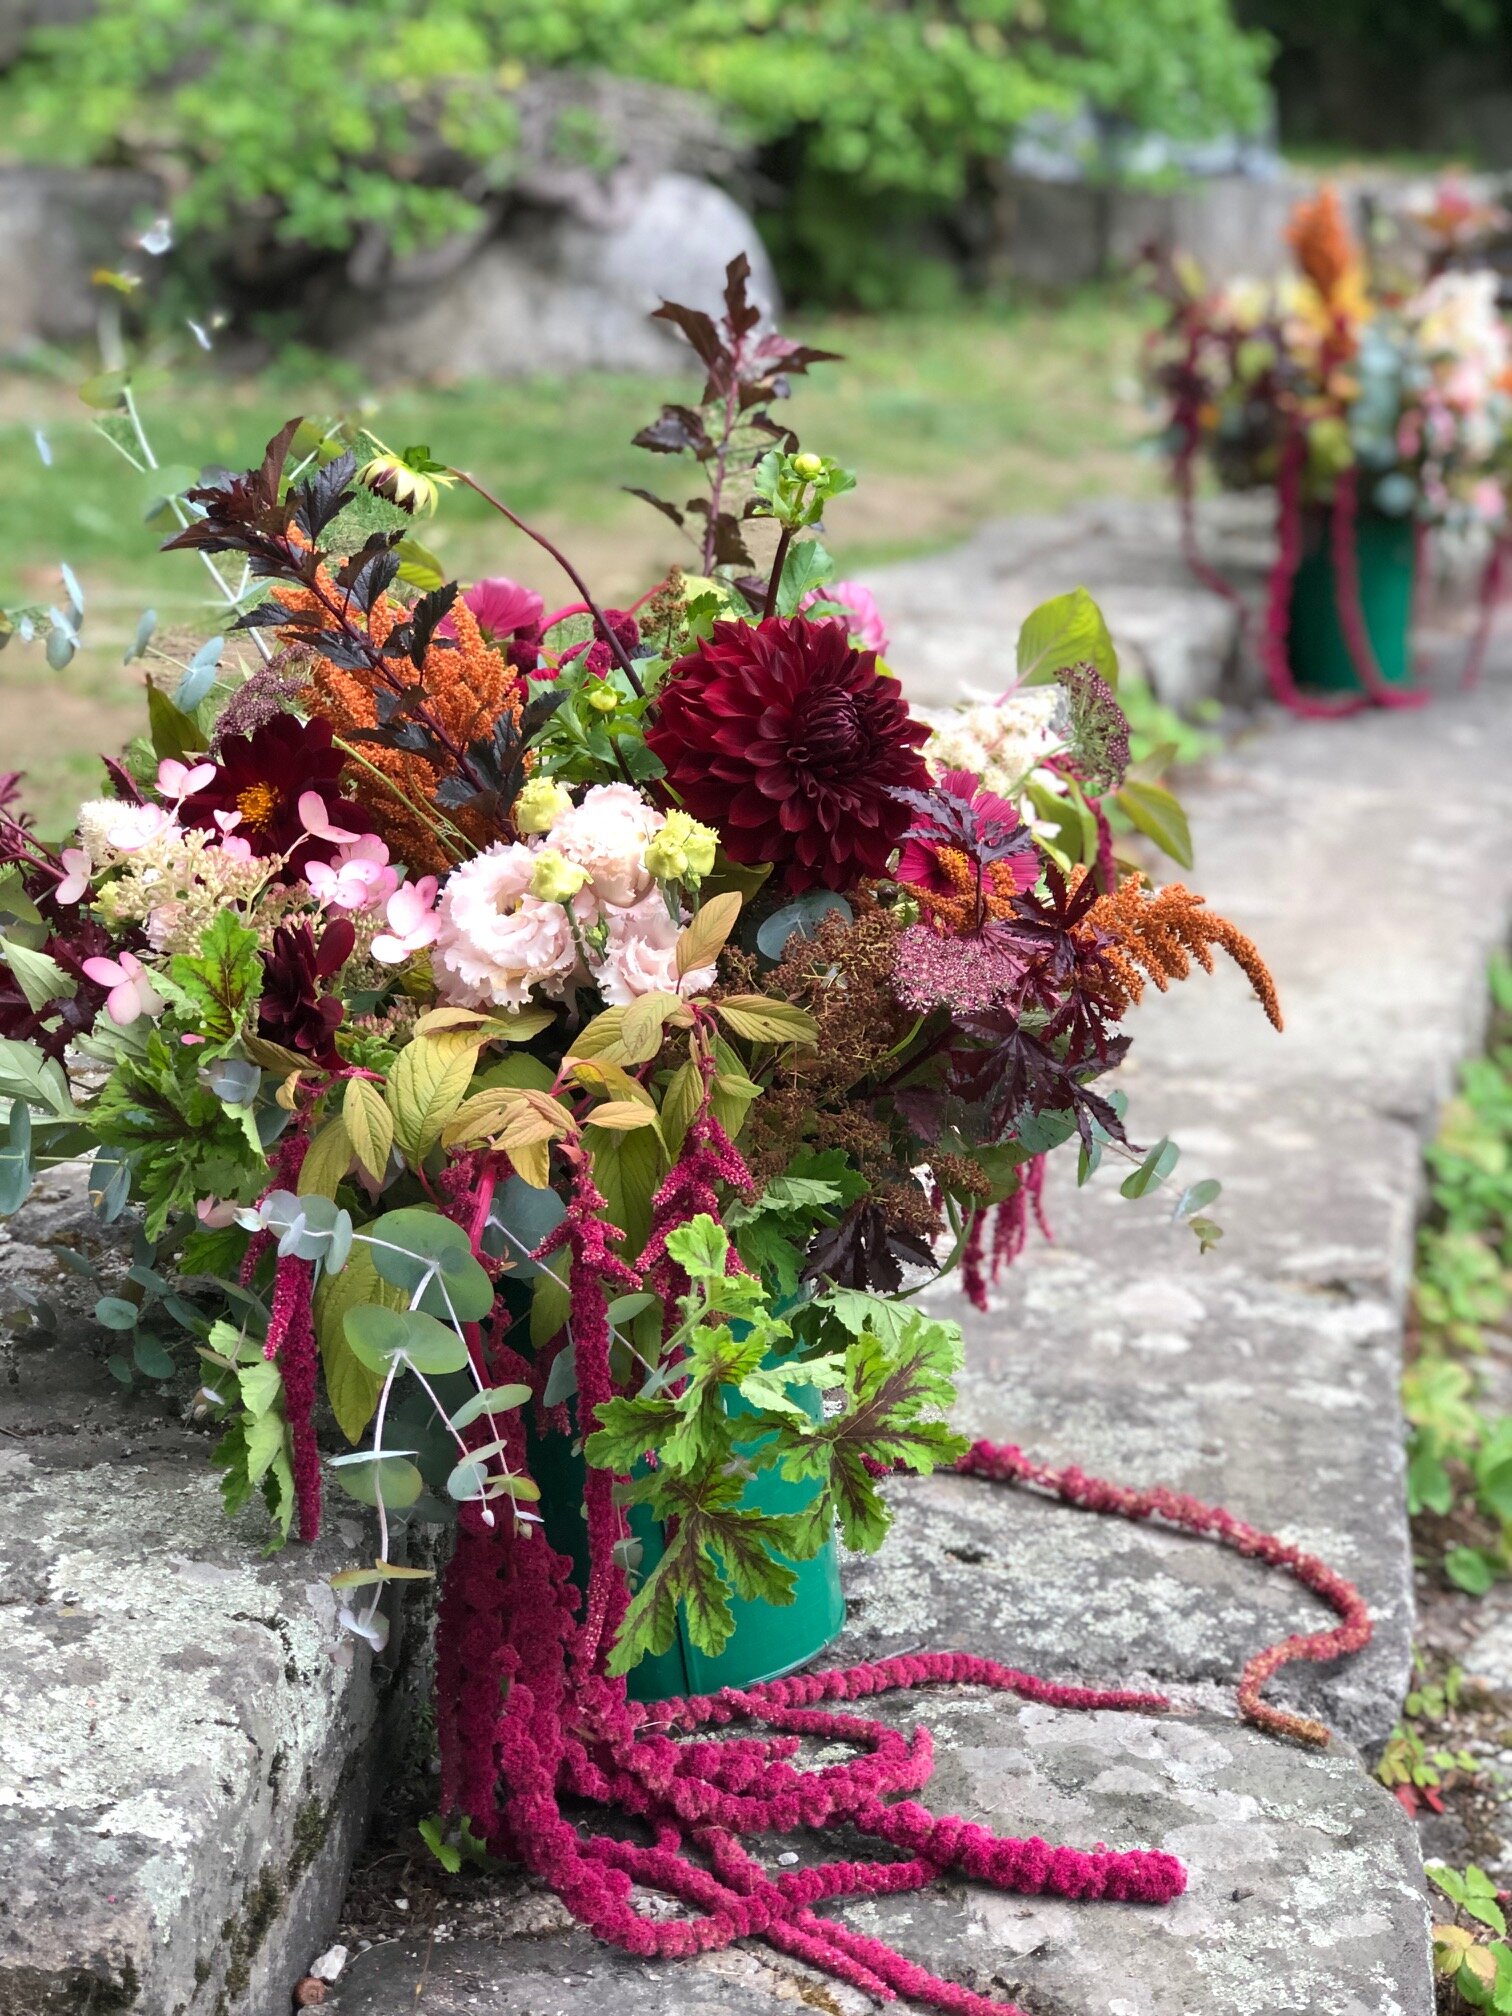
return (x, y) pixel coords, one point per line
(390, 1477)
(414, 1249)
(804, 915)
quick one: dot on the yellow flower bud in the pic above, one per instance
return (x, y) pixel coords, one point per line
(683, 851)
(808, 467)
(554, 878)
(602, 698)
(541, 802)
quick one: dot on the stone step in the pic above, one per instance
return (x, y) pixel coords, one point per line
(188, 1755)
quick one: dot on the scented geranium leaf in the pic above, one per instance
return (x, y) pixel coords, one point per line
(626, 1430)
(893, 1387)
(713, 1544)
(713, 1360)
(700, 1248)
(768, 1387)
(217, 987)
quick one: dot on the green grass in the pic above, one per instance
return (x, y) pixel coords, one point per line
(948, 418)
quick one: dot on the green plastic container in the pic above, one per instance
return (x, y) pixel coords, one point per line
(769, 1639)
(1315, 638)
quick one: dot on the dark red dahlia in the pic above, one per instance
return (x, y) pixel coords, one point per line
(793, 746)
(294, 1011)
(261, 777)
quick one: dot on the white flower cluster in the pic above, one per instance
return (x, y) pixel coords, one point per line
(1005, 743)
(174, 882)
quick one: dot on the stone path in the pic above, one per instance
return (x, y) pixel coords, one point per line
(180, 1828)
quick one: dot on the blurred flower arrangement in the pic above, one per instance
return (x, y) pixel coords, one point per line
(1355, 401)
(511, 1022)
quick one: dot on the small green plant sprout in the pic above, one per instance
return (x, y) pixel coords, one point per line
(1477, 1968)
(1416, 1773)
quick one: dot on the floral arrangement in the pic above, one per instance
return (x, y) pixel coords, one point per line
(510, 1023)
(1344, 395)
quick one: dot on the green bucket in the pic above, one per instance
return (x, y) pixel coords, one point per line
(1384, 549)
(769, 1639)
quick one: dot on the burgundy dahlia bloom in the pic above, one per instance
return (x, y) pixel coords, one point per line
(294, 1011)
(793, 746)
(261, 778)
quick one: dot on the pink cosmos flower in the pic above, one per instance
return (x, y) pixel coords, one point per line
(500, 607)
(860, 605)
(412, 922)
(131, 990)
(995, 819)
(76, 880)
(360, 877)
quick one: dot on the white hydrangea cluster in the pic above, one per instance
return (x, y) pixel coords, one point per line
(175, 884)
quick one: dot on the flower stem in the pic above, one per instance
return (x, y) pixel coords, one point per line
(621, 655)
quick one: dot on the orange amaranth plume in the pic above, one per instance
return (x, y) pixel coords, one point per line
(1156, 934)
(468, 688)
(1325, 250)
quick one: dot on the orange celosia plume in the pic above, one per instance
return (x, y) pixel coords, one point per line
(468, 688)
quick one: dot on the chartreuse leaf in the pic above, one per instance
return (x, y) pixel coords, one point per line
(39, 976)
(369, 1126)
(26, 1074)
(327, 1160)
(426, 1086)
(1067, 630)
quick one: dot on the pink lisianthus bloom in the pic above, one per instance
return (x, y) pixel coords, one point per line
(360, 877)
(607, 835)
(860, 605)
(77, 867)
(641, 956)
(994, 820)
(501, 608)
(131, 990)
(412, 921)
(497, 942)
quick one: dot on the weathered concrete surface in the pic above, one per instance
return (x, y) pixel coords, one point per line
(1303, 1893)
(954, 617)
(186, 1759)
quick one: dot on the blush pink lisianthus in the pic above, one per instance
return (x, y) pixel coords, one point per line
(495, 941)
(641, 955)
(607, 836)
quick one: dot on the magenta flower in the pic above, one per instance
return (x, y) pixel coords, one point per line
(501, 608)
(990, 830)
(860, 606)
